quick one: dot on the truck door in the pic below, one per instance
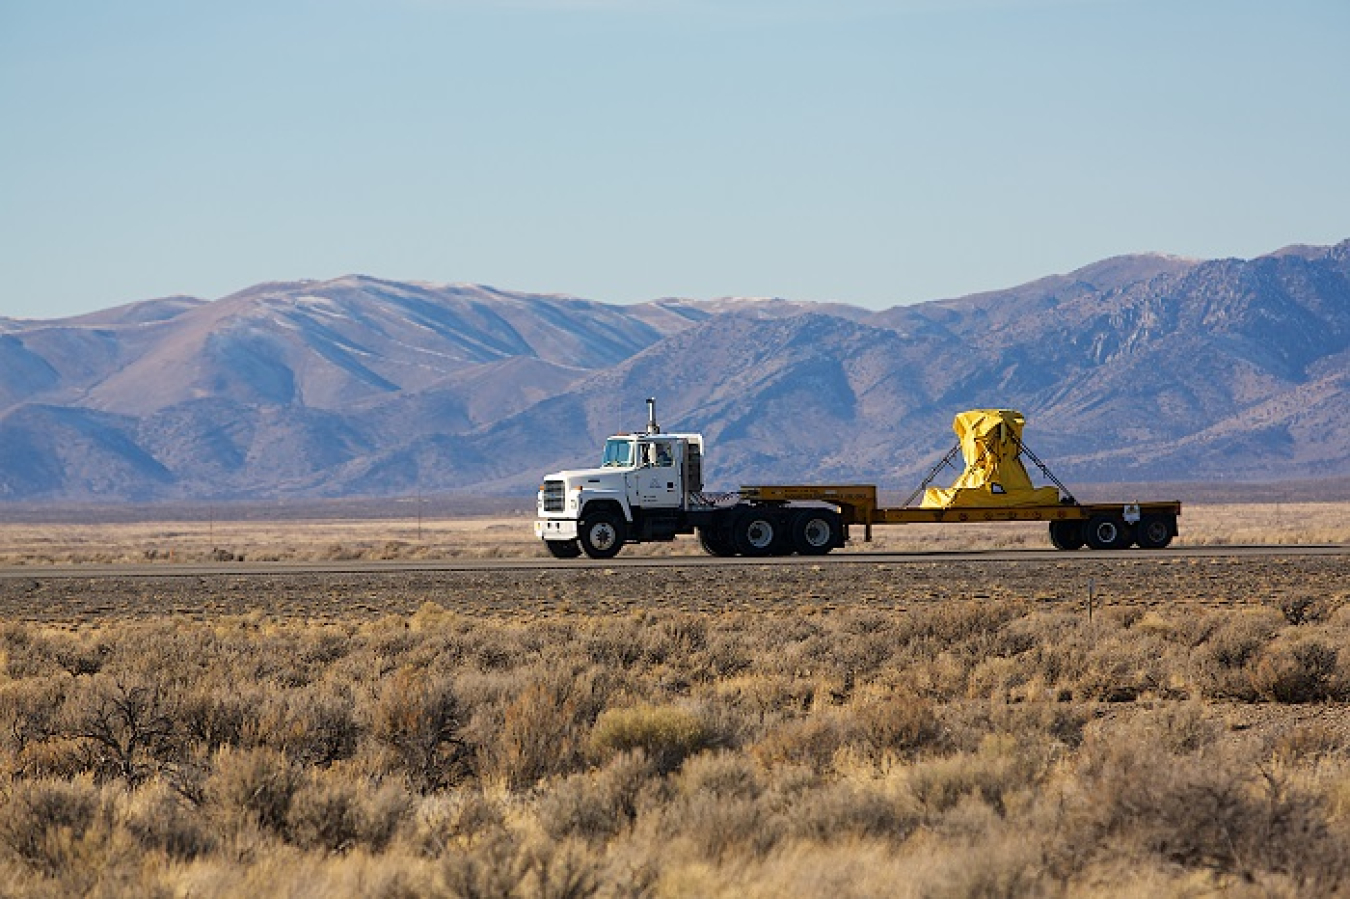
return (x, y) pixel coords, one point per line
(659, 475)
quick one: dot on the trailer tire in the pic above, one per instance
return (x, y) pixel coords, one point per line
(602, 534)
(1107, 532)
(815, 531)
(757, 533)
(716, 542)
(1155, 531)
(563, 549)
(1067, 535)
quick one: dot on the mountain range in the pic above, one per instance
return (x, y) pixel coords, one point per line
(1144, 368)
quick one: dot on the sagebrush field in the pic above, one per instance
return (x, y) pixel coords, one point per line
(866, 730)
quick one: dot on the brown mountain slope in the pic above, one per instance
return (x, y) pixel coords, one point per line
(1134, 368)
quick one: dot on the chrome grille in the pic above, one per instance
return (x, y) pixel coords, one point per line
(555, 499)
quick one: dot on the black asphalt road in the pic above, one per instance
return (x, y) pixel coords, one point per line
(272, 569)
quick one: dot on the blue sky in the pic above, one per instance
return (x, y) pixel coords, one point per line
(871, 152)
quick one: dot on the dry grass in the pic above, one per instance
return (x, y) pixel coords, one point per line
(282, 540)
(959, 749)
(511, 537)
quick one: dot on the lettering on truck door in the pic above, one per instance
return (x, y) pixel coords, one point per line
(659, 476)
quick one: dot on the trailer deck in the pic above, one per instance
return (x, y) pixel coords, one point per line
(858, 504)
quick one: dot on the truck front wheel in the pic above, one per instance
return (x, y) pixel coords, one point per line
(602, 534)
(563, 549)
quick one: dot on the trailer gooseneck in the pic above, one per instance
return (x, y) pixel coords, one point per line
(649, 487)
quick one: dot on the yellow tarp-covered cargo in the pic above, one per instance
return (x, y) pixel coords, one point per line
(994, 475)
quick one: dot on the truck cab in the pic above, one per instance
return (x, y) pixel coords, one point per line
(640, 492)
(653, 467)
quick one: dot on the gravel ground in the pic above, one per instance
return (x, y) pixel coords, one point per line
(1208, 582)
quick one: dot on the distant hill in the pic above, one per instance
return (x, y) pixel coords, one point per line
(1139, 368)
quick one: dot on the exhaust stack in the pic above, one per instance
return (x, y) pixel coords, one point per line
(652, 426)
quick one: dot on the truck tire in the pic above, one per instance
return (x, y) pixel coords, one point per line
(1067, 534)
(757, 533)
(1155, 531)
(1107, 532)
(563, 549)
(716, 542)
(602, 534)
(815, 531)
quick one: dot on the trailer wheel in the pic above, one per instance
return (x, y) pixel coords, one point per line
(1107, 532)
(756, 533)
(602, 534)
(716, 542)
(1067, 535)
(1155, 531)
(815, 531)
(563, 549)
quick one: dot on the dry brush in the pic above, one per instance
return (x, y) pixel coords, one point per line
(958, 749)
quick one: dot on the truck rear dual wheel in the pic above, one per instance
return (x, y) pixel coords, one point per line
(716, 542)
(757, 533)
(602, 534)
(769, 532)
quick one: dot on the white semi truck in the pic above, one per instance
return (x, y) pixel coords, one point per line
(649, 487)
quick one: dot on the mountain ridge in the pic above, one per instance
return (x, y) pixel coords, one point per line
(1143, 367)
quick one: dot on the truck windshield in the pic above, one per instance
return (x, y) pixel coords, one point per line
(618, 453)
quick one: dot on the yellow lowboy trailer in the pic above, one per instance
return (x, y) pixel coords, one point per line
(994, 486)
